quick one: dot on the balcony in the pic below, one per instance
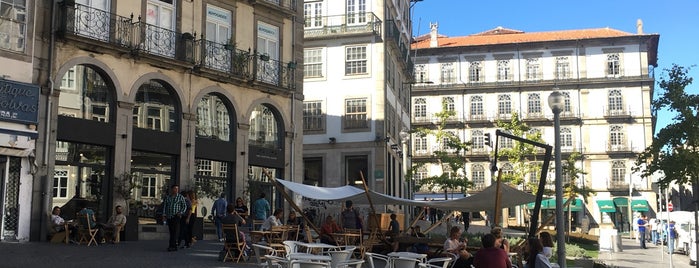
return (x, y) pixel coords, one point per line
(288, 6)
(621, 147)
(618, 186)
(617, 112)
(349, 24)
(101, 30)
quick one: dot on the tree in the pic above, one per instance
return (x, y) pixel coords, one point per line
(521, 156)
(449, 156)
(674, 150)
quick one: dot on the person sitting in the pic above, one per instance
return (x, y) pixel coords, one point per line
(457, 247)
(58, 224)
(327, 229)
(491, 256)
(536, 259)
(547, 242)
(273, 220)
(294, 221)
(500, 242)
(115, 224)
(91, 220)
(232, 217)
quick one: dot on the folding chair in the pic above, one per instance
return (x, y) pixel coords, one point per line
(260, 252)
(233, 242)
(85, 231)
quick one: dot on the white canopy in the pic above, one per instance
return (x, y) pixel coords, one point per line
(484, 200)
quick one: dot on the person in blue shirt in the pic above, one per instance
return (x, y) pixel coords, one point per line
(671, 237)
(393, 231)
(218, 211)
(261, 208)
(642, 224)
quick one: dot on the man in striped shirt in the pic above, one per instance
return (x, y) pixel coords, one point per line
(174, 206)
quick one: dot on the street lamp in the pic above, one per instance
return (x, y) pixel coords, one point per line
(404, 139)
(557, 102)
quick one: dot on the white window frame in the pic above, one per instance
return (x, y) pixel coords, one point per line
(504, 106)
(448, 74)
(533, 69)
(313, 116)
(477, 109)
(420, 108)
(615, 102)
(149, 185)
(504, 70)
(313, 14)
(60, 183)
(356, 114)
(475, 71)
(618, 170)
(356, 12)
(13, 29)
(160, 14)
(562, 67)
(421, 74)
(356, 60)
(477, 140)
(613, 64)
(313, 62)
(534, 104)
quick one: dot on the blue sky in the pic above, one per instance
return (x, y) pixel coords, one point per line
(676, 21)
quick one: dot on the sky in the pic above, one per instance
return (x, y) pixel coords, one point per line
(676, 21)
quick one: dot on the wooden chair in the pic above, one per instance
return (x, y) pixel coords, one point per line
(354, 240)
(277, 238)
(257, 224)
(293, 232)
(232, 243)
(309, 235)
(85, 231)
(60, 236)
(113, 235)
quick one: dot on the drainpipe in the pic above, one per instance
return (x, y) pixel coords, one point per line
(46, 187)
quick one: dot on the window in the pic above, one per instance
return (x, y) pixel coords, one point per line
(448, 76)
(313, 14)
(420, 73)
(204, 167)
(213, 119)
(87, 95)
(420, 145)
(211, 176)
(218, 33)
(474, 72)
(505, 142)
(313, 171)
(155, 108)
(534, 104)
(618, 173)
(477, 140)
(268, 69)
(566, 138)
(504, 70)
(477, 107)
(420, 108)
(313, 118)
(566, 102)
(264, 128)
(160, 28)
(313, 62)
(507, 169)
(13, 25)
(355, 165)
(448, 104)
(562, 68)
(355, 114)
(68, 81)
(616, 104)
(504, 106)
(356, 11)
(533, 69)
(616, 137)
(478, 176)
(613, 65)
(60, 183)
(355, 60)
(148, 186)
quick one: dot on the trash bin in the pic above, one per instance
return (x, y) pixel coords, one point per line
(616, 243)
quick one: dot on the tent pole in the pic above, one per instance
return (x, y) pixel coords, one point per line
(293, 204)
(497, 212)
(372, 216)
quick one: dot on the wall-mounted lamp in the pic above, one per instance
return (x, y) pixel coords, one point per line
(332, 140)
(188, 145)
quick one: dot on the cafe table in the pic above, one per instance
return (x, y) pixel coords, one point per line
(311, 247)
(347, 239)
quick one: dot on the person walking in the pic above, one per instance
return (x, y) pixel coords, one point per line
(642, 224)
(174, 206)
(218, 211)
(671, 237)
(261, 208)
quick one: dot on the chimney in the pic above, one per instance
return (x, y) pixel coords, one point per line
(433, 35)
(639, 26)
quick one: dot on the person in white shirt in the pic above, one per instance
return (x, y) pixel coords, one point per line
(654, 230)
(273, 220)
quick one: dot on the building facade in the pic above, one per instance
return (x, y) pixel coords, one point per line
(135, 98)
(356, 68)
(606, 77)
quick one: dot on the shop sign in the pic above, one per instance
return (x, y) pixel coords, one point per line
(19, 102)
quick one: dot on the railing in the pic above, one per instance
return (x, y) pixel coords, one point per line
(618, 185)
(287, 4)
(141, 37)
(492, 81)
(617, 111)
(621, 147)
(365, 22)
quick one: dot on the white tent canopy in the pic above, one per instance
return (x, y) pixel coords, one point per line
(484, 200)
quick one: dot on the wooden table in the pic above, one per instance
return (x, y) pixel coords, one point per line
(256, 236)
(347, 239)
(317, 246)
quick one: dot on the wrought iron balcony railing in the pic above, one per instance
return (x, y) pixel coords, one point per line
(357, 23)
(141, 37)
(286, 4)
(618, 185)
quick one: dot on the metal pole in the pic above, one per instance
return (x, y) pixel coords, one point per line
(560, 233)
(407, 194)
(631, 233)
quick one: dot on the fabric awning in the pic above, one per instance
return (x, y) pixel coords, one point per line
(606, 206)
(639, 205)
(621, 202)
(575, 205)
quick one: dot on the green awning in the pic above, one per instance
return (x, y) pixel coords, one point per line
(606, 206)
(639, 205)
(545, 204)
(575, 205)
(621, 202)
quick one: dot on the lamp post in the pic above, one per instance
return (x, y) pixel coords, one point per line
(557, 102)
(404, 139)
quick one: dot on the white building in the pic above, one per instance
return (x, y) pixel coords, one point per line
(606, 76)
(356, 101)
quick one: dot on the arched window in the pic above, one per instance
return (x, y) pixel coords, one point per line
(618, 173)
(420, 108)
(448, 103)
(156, 108)
(477, 140)
(264, 128)
(478, 176)
(616, 104)
(213, 118)
(616, 137)
(85, 94)
(504, 105)
(566, 138)
(503, 70)
(475, 72)
(534, 104)
(566, 102)
(477, 107)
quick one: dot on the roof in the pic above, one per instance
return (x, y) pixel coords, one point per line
(502, 35)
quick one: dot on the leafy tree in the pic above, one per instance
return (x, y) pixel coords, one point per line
(675, 148)
(449, 156)
(522, 156)
(571, 189)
